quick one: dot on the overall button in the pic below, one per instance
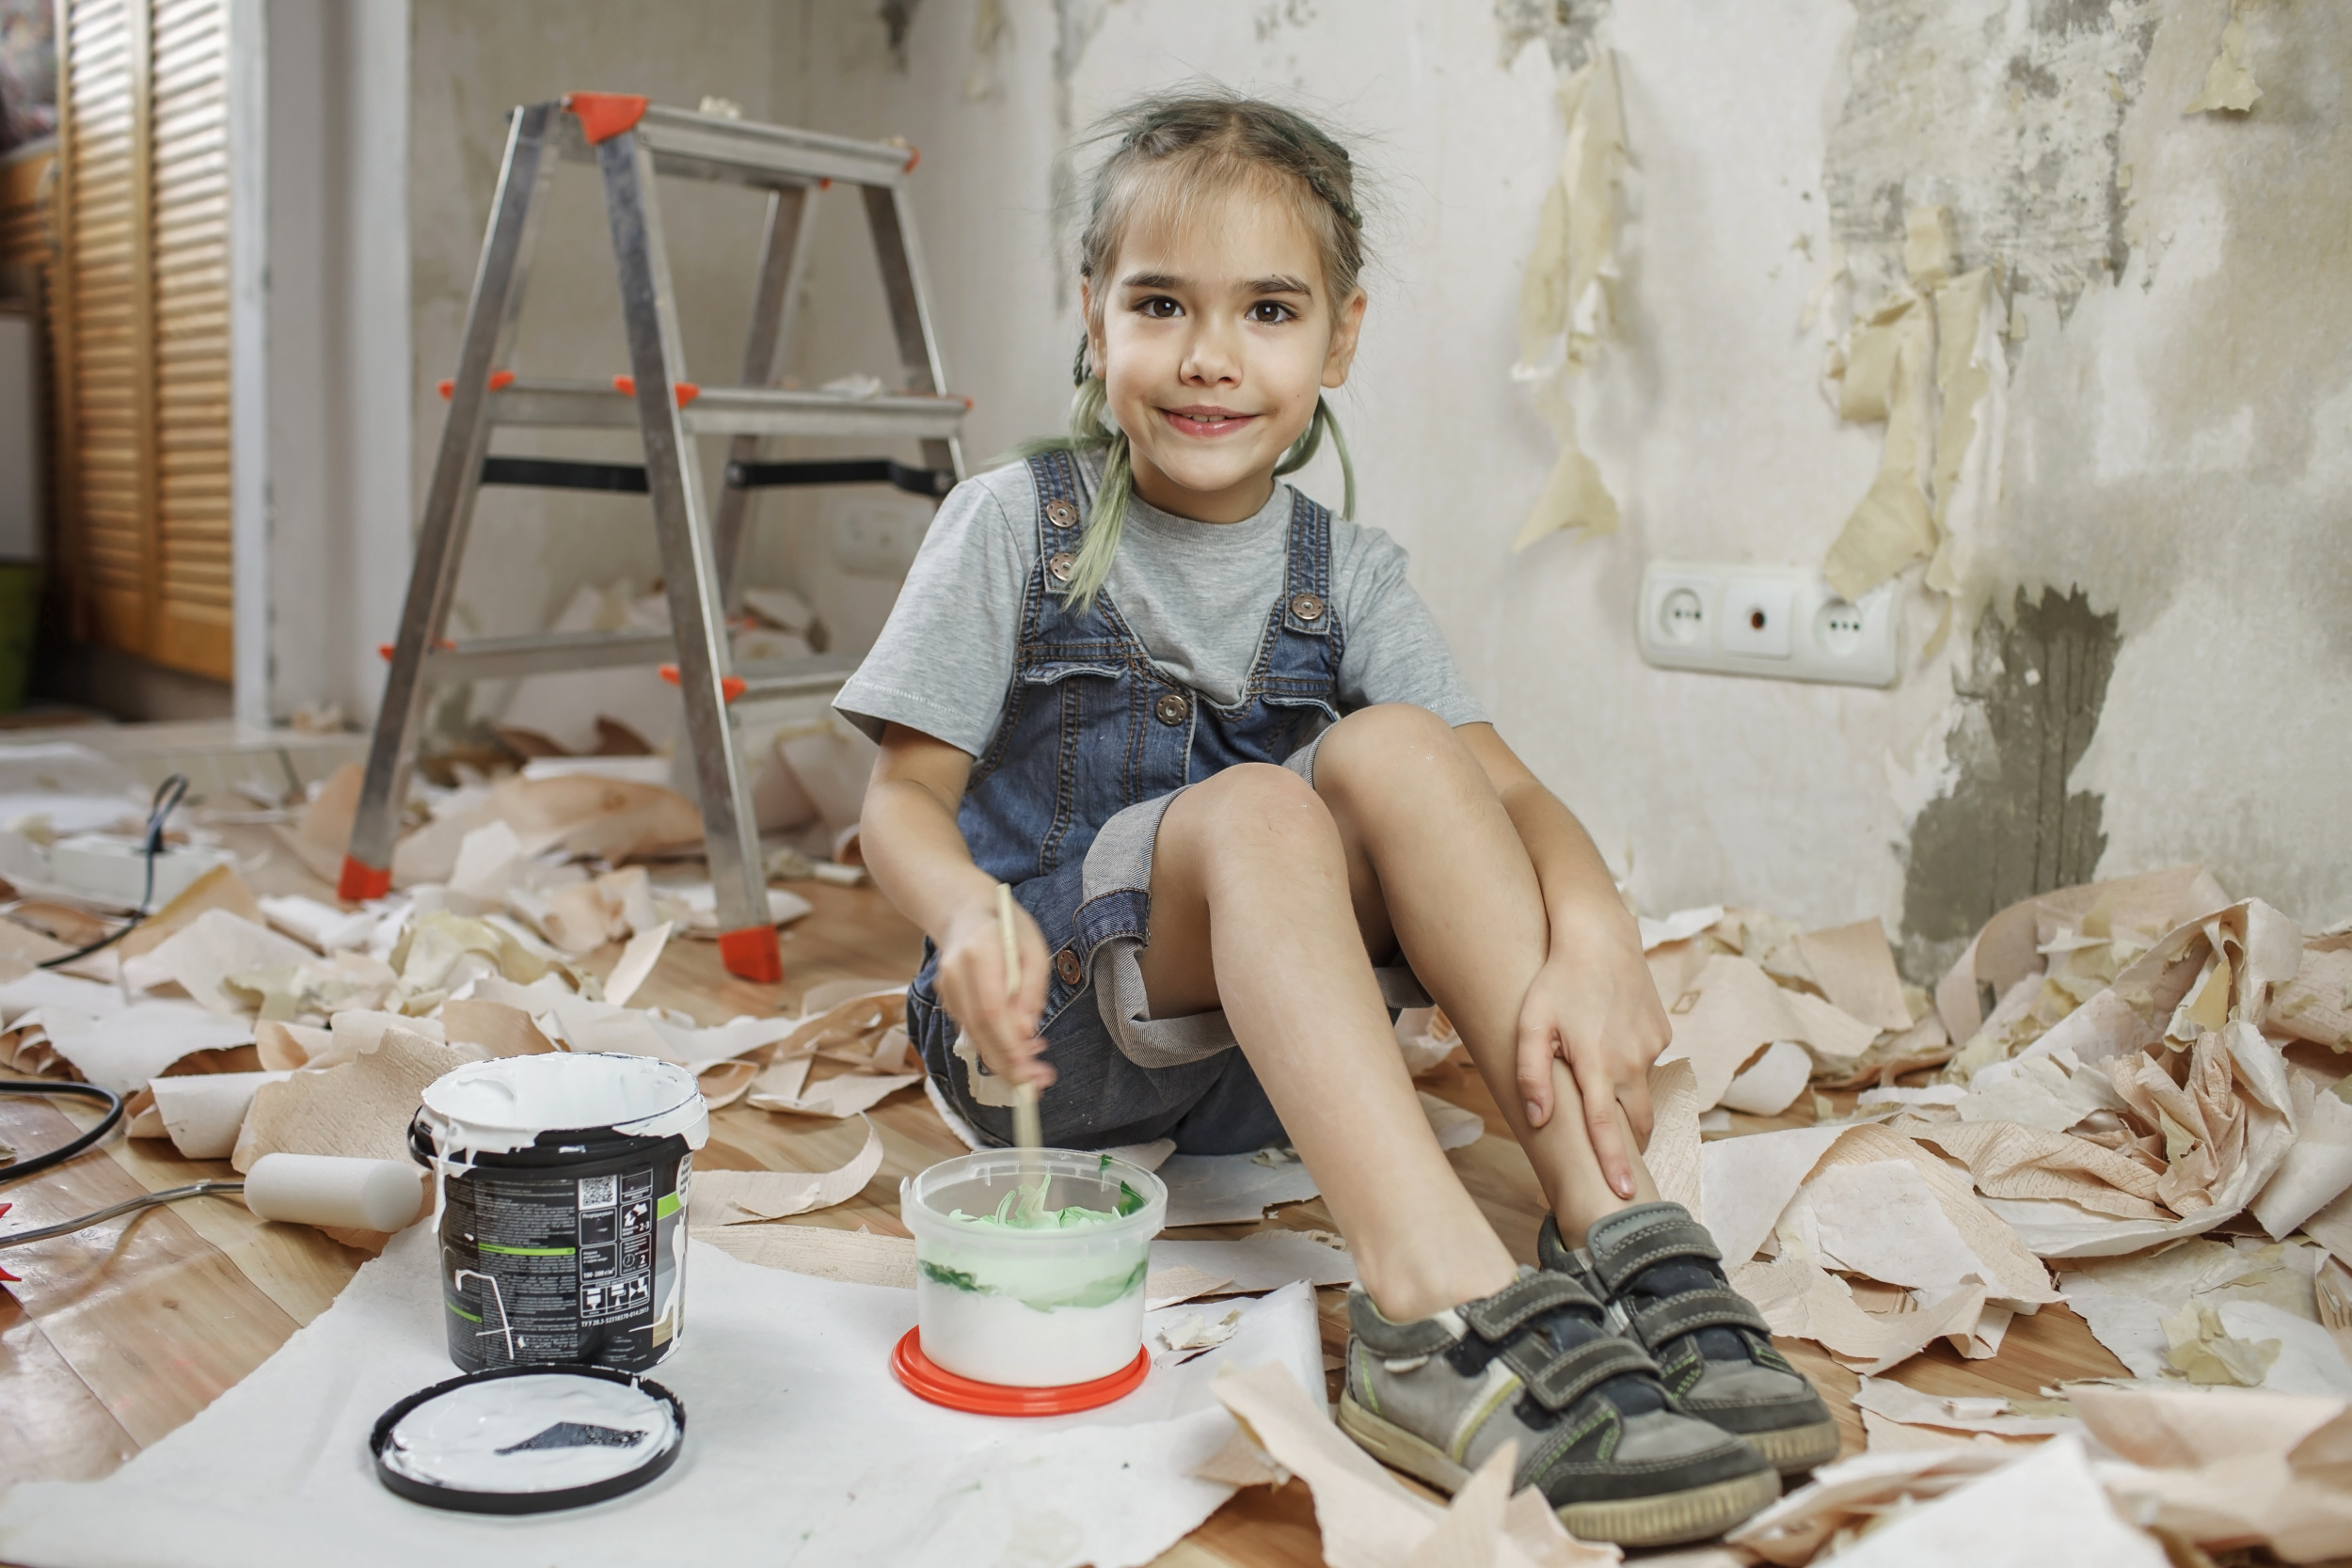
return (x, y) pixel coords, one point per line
(1171, 709)
(1307, 607)
(1066, 965)
(1062, 565)
(1061, 513)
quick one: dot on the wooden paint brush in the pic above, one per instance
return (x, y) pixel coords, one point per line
(1026, 1130)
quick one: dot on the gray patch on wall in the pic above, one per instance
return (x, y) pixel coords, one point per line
(1564, 26)
(2008, 116)
(897, 16)
(2009, 829)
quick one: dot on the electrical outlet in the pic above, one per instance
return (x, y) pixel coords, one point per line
(1781, 621)
(1755, 620)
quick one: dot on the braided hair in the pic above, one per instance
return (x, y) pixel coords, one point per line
(1178, 148)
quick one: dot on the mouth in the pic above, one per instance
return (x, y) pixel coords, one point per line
(1205, 420)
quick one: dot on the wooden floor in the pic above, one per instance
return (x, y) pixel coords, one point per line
(117, 1336)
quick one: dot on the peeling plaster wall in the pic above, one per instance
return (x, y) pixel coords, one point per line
(2177, 450)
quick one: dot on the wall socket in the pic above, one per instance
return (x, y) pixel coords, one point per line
(1783, 623)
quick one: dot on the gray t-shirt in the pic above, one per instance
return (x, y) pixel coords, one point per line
(1196, 593)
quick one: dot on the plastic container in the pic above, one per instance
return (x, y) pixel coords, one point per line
(561, 1186)
(1032, 1308)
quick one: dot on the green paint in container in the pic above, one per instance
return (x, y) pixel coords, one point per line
(1031, 1284)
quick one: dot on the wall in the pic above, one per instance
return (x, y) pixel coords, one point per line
(320, 335)
(2147, 657)
(2148, 660)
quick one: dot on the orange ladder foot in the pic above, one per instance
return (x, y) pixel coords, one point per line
(361, 882)
(753, 954)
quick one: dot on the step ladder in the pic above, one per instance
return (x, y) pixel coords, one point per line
(630, 142)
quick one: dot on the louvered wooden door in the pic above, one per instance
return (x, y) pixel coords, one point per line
(142, 326)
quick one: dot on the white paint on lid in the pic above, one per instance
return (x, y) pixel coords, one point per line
(544, 1433)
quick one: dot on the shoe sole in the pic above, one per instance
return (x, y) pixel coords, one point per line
(1793, 1450)
(1667, 1519)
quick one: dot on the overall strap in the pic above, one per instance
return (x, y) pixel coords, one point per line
(1060, 524)
(1302, 657)
(1306, 591)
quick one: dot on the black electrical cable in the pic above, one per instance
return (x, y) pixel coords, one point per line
(167, 797)
(59, 1155)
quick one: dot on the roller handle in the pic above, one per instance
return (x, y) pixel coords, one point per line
(301, 1189)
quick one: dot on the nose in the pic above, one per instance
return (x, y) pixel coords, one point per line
(1212, 353)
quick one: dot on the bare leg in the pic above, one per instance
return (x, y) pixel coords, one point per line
(1250, 911)
(1435, 867)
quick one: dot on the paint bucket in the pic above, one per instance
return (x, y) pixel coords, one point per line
(1015, 1306)
(561, 1187)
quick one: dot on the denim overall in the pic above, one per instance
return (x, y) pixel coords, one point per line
(1091, 728)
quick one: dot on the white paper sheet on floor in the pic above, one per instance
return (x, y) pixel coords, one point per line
(801, 1447)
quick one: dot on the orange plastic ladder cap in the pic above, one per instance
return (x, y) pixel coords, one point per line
(605, 115)
(497, 379)
(753, 954)
(683, 392)
(361, 882)
(730, 686)
(914, 156)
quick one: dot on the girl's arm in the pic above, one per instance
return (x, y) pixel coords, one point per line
(920, 860)
(1593, 1003)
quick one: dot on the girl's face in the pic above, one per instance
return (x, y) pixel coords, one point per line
(1215, 339)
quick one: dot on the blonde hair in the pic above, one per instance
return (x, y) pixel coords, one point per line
(1173, 151)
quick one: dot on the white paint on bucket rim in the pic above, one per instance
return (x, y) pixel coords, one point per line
(503, 1104)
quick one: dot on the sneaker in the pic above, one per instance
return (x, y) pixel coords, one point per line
(1536, 1364)
(1662, 1277)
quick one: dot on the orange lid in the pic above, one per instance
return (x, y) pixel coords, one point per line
(926, 1379)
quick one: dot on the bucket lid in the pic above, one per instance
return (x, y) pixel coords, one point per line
(926, 1379)
(528, 1439)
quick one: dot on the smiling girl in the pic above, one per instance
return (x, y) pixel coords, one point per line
(1215, 742)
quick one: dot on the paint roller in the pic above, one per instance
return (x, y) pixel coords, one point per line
(300, 1189)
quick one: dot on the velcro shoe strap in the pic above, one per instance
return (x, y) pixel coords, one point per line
(1497, 1317)
(1559, 1381)
(1662, 1238)
(1671, 1319)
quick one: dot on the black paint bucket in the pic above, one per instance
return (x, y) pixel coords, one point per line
(560, 1189)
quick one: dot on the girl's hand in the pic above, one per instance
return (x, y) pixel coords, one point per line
(971, 980)
(1593, 1006)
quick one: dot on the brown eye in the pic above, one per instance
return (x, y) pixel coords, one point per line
(1268, 312)
(1160, 308)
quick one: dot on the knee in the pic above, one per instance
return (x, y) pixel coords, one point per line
(1387, 748)
(1257, 809)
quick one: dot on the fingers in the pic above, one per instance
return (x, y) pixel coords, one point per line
(1599, 1095)
(1534, 1075)
(972, 986)
(971, 980)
